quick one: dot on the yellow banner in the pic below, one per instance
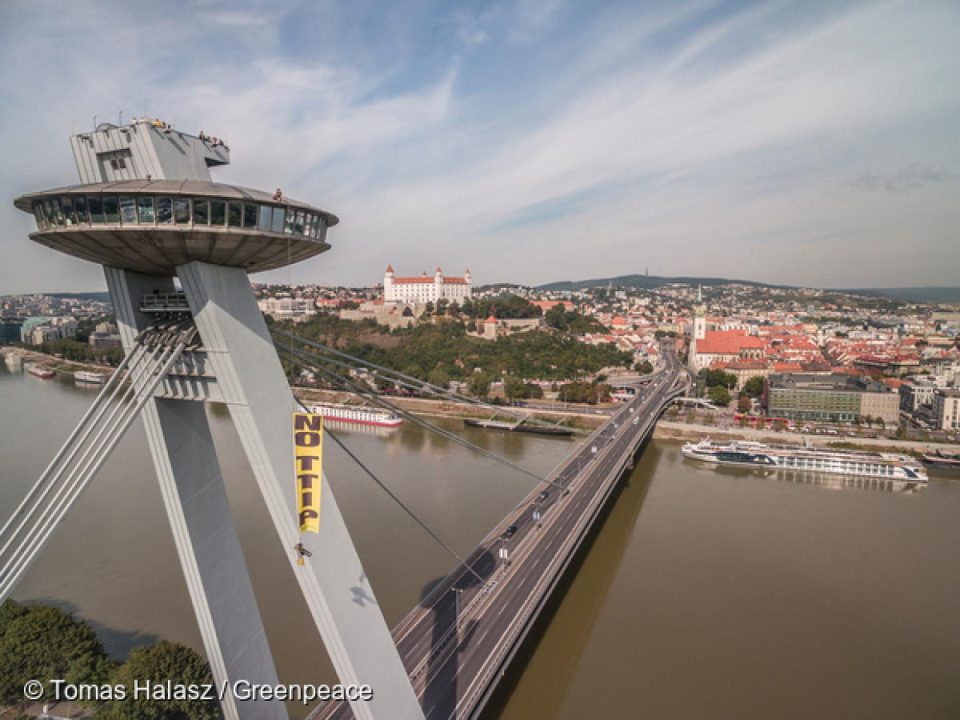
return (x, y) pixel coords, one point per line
(308, 460)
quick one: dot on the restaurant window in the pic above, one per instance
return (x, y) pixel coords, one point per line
(322, 230)
(218, 212)
(277, 220)
(145, 210)
(164, 210)
(266, 212)
(201, 212)
(66, 205)
(234, 214)
(288, 222)
(308, 225)
(95, 206)
(249, 215)
(111, 208)
(80, 209)
(128, 210)
(40, 215)
(181, 211)
(298, 225)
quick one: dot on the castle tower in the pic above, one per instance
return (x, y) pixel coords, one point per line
(388, 294)
(148, 212)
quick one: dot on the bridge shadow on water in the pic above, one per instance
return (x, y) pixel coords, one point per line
(595, 565)
(447, 601)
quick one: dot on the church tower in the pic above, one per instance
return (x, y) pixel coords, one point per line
(699, 331)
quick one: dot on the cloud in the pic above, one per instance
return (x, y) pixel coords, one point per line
(531, 141)
(912, 177)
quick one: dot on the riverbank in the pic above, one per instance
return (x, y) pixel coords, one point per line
(671, 430)
(58, 365)
(580, 418)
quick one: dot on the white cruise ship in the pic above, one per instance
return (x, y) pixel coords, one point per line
(358, 415)
(889, 466)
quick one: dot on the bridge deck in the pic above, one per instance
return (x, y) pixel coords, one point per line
(458, 642)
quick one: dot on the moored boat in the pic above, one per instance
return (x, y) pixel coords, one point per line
(358, 415)
(940, 461)
(92, 378)
(755, 455)
(41, 371)
(518, 427)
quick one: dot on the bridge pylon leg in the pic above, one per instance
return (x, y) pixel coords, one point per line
(192, 487)
(241, 354)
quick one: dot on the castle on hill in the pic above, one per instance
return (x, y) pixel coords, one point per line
(425, 288)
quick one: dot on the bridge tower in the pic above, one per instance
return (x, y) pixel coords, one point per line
(149, 212)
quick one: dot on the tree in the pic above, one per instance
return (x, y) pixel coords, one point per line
(719, 395)
(514, 388)
(644, 368)
(40, 641)
(439, 377)
(158, 664)
(743, 404)
(754, 387)
(479, 384)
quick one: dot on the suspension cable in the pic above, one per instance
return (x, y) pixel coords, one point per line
(408, 380)
(450, 551)
(304, 360)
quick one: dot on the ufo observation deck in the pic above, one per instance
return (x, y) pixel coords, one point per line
(152, 226)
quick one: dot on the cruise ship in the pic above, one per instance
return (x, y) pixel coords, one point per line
(784, 457)
(358, 415)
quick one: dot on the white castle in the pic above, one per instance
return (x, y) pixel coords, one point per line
(424, 288)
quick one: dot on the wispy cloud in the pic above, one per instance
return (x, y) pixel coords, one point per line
(535, 140)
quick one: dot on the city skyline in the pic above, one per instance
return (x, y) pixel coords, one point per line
(795, 144)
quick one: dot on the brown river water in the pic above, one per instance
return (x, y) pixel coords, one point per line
(705, 594)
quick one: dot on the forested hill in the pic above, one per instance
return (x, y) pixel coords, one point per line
(444, 351)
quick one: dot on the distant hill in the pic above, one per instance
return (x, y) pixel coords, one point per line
(945, 295)
(102, 296)
(646, 282)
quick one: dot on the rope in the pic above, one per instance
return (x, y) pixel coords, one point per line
(450, 551)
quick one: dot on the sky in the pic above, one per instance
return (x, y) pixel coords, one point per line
(808, 143)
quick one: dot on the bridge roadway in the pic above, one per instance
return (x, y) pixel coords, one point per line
(458, 642)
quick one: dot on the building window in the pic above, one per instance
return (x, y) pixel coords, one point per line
(145, 210)
(118, 163)
(111, 208)
(181, 211)
(66, 205)
(249, 215)
(234, 214)
(201, 212)
(95, 205)
(164, 210)
(278, 215)
(39, 214)
(288, 222)
(266, 213)
(298, 223)
(128, 210)
(80, 208)
(218, 212)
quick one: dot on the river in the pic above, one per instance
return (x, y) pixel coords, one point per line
(705, 595)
